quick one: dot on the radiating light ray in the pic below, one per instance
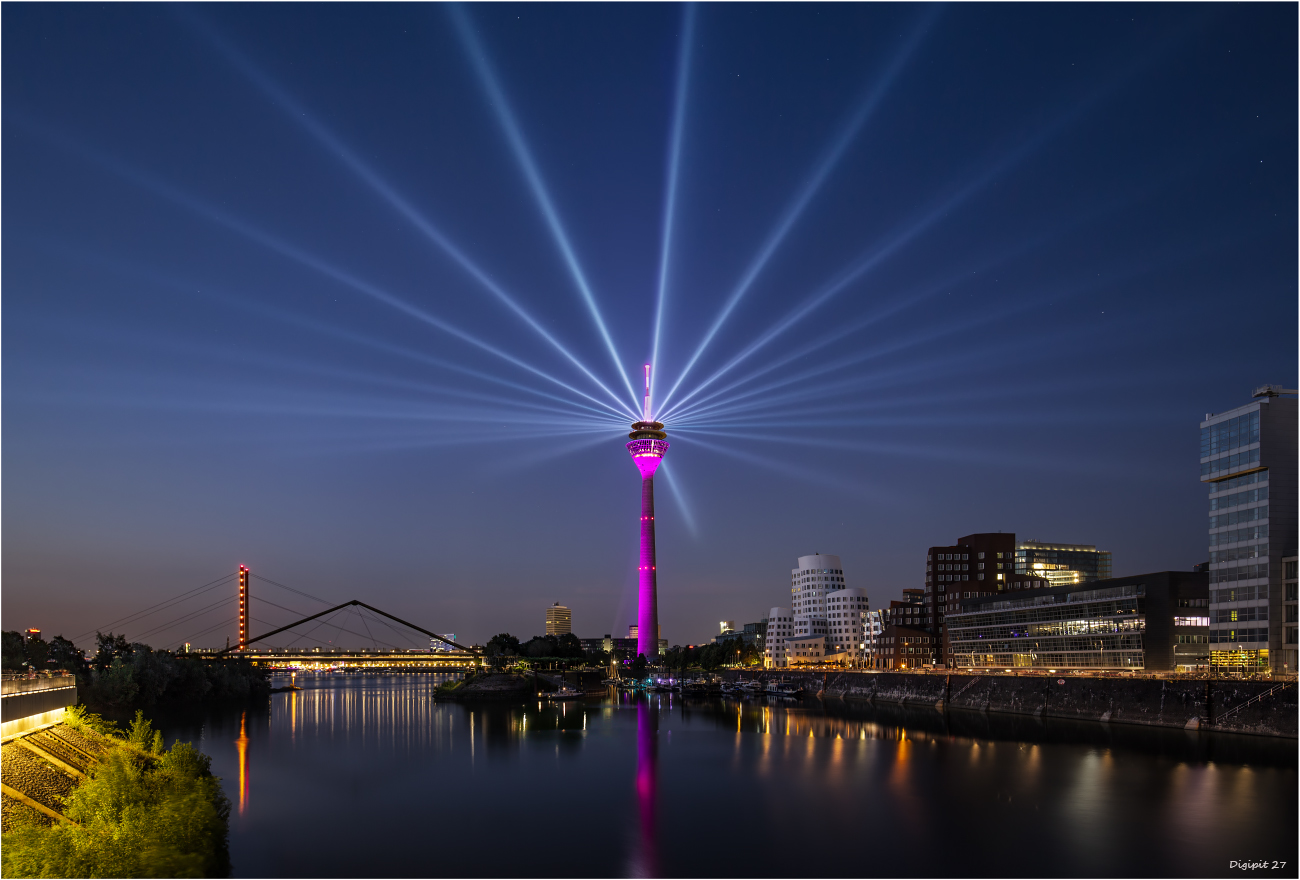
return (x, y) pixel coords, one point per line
(271, 242)
(506, 119)
(192, 348)
(1061, 292)
(952, 455)
(298, 113)
(674, 160)
(680, 497)
(837, 482)
(811, 186)
(534, 454)
(262, 309)
(1031, 145)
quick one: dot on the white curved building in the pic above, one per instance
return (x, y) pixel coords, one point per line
(846, 620)
(780, 629)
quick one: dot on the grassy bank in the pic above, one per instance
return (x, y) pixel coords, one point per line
(141, 811)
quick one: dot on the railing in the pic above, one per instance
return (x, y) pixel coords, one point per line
(21, 684)
(1219, 716)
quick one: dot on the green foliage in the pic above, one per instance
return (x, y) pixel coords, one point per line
(141, 813)
(13, 651)
(568, 646)
(502, 643)
(81, 718)
(639, 666)
(129, 675)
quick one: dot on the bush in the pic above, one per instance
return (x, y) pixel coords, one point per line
(141, 813)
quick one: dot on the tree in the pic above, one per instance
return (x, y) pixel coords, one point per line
(37, 651)
(540, 646)
(67, 655)
(14, 651)
(568, 645)
(639, 666)
(502, 644)
(109, 648)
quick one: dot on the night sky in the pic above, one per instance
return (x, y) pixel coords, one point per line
(359, 296)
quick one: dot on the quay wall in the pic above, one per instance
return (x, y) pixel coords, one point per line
(1205, 704)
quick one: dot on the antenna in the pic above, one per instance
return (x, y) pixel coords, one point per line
(646, 414)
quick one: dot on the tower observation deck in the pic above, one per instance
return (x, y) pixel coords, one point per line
(647, 443)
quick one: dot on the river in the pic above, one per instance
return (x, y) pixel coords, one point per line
(367, 776)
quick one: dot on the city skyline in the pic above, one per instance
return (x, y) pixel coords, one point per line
(351, 297)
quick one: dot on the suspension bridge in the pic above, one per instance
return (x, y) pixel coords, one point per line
(294, 645)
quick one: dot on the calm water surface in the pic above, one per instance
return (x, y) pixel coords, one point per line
(368, 776)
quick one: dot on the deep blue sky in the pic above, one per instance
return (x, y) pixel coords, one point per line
(1061, 234)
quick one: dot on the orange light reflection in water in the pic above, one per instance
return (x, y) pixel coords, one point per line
(241, 745)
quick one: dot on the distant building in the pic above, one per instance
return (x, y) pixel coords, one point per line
(1248, 463)
(1154, 622)
(441, 645)
(559, 620)
(1062, 564)
(32, 633)
(590, 646)
(725, 626)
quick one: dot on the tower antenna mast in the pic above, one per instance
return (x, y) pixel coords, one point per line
(647, 443)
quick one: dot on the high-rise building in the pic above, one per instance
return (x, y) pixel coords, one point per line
(726, 626)
(559, 620)
(1248, 463)
(441, 645)
(1289, 617)
(1062, 565)
(648, 444)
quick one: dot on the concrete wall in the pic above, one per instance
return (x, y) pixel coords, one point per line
(1149, 701)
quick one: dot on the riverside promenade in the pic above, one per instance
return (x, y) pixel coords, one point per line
(1264, 708)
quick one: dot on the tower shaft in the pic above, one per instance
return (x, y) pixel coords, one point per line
(647, 618)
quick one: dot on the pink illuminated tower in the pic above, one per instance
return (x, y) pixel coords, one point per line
(647, 443)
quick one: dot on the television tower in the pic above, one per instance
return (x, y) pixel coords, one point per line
(647, 443)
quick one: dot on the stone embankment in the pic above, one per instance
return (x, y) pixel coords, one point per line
(1267, 708)
(39, 769)
(494, 686)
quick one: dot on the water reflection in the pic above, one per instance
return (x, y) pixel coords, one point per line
(645, 855)
(406, 769)
(241, 745)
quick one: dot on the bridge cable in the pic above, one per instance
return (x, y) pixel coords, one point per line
(182, 619)
(300, 614)
(233, 620)
(393, 628)
(290, 589)
(131, 617)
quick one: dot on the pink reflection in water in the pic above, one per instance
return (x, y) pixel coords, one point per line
(645, 856)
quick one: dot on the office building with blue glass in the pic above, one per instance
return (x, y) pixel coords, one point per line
(1248, 464)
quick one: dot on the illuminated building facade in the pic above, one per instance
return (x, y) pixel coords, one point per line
(977, 565)
(1062, 565)
(1154, 622)
(648, 443)
(1290, 623)
(846, 622)
(1248, 464)
(780, 629)
(559, 620)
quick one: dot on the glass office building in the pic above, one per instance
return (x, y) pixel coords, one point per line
(1154, 622)
(1062, 564)
(1248, 464)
